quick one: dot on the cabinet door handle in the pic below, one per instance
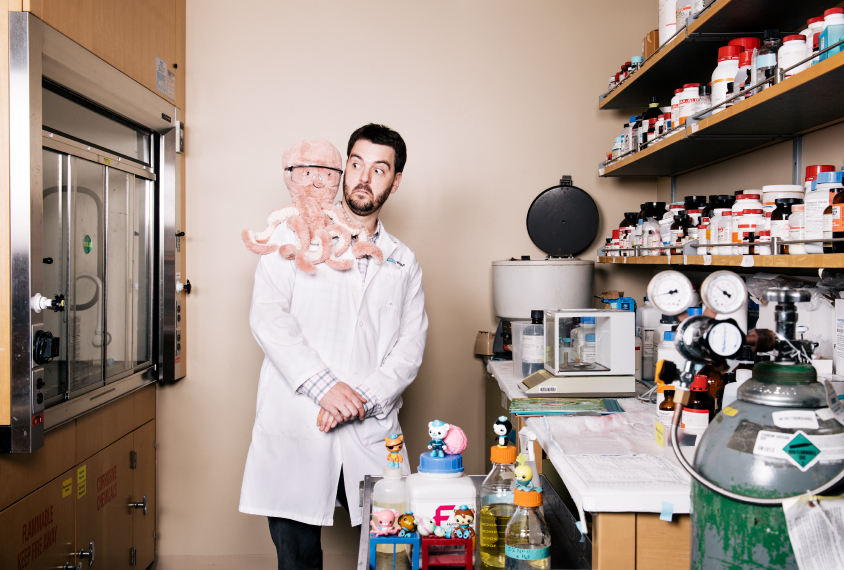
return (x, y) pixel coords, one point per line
(89, 555)
(141, 505)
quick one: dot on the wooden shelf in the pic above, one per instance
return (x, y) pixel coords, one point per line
(692, 55)
(828, 260)
(800, 104)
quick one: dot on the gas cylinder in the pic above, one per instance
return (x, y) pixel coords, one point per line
(732, 534)
(758, 456)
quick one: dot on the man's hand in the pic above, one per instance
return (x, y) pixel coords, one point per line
(343, 403)
(325, 422)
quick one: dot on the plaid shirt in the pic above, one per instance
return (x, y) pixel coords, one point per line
(318, 385)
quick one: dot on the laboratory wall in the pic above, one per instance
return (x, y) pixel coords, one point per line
(770, 165)
(496, 100)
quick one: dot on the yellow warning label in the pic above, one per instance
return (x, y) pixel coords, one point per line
(81, 476)
(728, 411)
(659, 431)
(107, 161)
(67, 487)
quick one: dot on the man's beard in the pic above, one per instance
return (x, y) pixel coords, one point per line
(366, 206)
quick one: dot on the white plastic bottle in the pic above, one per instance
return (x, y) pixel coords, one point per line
(675, 108)
(823, 191)
(667, 20)
(724, 73)
(438, 487)
(773, 192)
(682, 10)
(747, 201)
(793, 50)
(688, 99)
(813, 26)
(578, 335)
(797, 229)
(725, 233)
(587, 349)
(389, 493)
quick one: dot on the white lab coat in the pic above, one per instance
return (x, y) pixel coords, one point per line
(372, 335)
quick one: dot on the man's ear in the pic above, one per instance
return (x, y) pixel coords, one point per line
(396, 182)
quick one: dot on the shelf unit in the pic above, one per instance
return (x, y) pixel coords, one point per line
(694, 50)
(808, 101)
(809, 261)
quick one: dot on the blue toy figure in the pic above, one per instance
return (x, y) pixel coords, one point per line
(437, 430)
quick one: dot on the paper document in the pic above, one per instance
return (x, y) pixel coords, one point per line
(564, 406)
(816, 529)
(613, 472)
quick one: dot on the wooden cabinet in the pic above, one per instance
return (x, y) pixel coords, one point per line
(114, 481)
(143, 524)
(132, 35)
(37, 532)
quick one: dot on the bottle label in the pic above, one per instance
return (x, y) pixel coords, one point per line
(814, 215)
(527, 553)
(665, 417)
(779, 229)
(766, 60)
(827, 225)
(796, 232)
(837, 221)
(648, 343)
(533, 348)
(724, 234)
(695, 420)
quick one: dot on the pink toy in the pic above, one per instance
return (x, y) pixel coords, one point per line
(386, 518)
(455, 440)
(311, 212)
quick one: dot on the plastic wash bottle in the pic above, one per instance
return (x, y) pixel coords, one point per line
(497, 505)
(528, 540)
(389, 493)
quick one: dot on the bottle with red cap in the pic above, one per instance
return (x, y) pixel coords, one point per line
(728, 66)
(812, 174)
(813, 27)
(744, 76)
(793, 50)
(832, 33)
(688, 100)
(701, 407)
(675, 108)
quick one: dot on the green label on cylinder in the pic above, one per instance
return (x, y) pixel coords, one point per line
(87, 245)
(527, 553)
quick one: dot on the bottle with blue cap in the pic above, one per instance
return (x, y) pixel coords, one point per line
(578, 334)
(440, 485)
(822, 194)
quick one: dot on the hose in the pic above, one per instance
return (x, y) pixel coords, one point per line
(675, 424)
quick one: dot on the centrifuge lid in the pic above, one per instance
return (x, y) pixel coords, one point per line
(563, 220)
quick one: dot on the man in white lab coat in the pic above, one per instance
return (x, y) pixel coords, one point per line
(340, 348)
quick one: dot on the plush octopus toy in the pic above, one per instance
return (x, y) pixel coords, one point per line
(313, 217)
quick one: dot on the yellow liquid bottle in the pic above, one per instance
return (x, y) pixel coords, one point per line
(527, 539)
(497, 505)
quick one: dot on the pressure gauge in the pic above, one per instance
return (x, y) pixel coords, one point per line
(671, 292)
(702, 339)
(723, 292)
(725, 338)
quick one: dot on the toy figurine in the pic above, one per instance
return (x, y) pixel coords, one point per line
(437, 430)
(524, 476)
(502, 428)
(455, 441)
(427, 527)
(385, 518)
(464, 517)
(394, 444)
(406, 524)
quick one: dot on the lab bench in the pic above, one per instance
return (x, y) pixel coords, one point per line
(612, 468)
(569, 549)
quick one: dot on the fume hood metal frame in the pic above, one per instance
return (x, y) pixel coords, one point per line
(38, 52)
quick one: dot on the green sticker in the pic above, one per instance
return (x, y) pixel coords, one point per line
(86, 244)
(801, 450)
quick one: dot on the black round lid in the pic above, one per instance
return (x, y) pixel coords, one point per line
(788, 201)
(563, 220)
(537, 315)
(631, 215)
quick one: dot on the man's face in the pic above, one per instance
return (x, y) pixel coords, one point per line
(370, 177)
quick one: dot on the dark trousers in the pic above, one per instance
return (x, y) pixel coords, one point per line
(298, 544)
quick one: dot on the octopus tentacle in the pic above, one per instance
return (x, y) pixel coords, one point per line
(344, 241)
(362, 248)
(256, 241)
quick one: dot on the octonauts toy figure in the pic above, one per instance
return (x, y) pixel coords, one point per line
(406, 524)
(394, 444)
(437, 430)
(502, 428)
(386, 518)
(464, 517)
(524, 476)
(427, 527)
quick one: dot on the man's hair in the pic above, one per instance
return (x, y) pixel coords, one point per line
(380, 134)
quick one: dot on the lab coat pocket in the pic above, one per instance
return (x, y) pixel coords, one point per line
(374, 430)
(282, 412)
